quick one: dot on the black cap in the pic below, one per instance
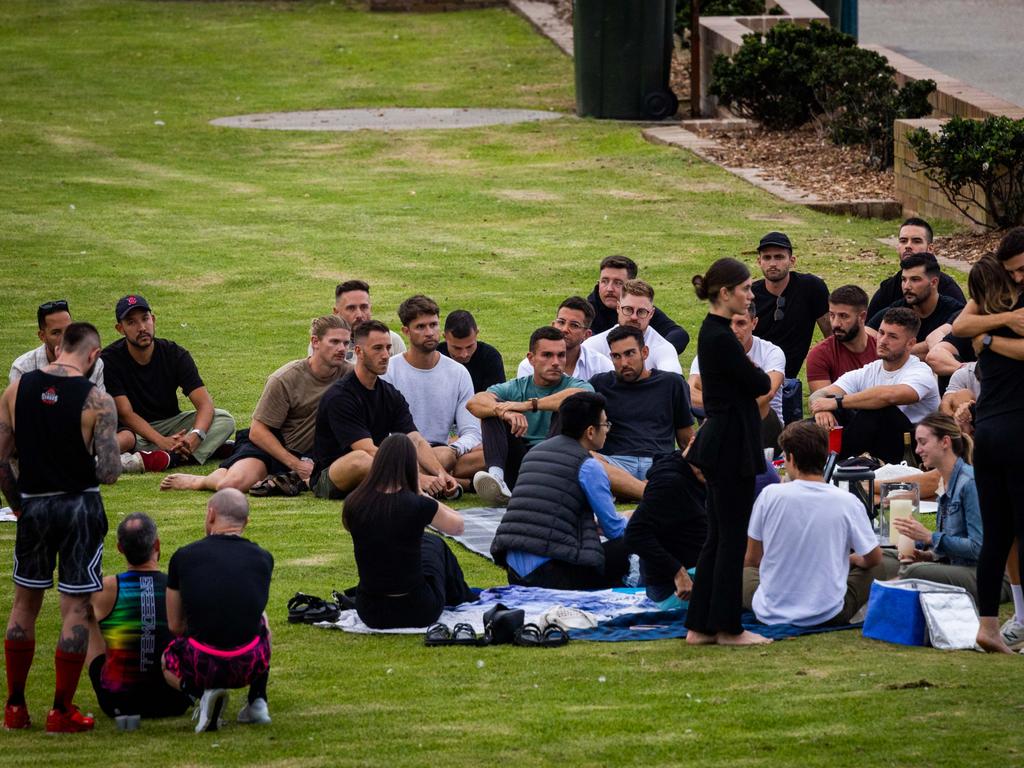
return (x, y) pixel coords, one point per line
(777, 239)
(127, 303)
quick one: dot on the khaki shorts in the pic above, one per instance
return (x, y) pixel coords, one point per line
(323, 488)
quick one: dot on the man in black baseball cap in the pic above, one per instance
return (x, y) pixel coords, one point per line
(143, 375)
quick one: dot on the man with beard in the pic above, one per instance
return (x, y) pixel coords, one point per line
(280, 439)
(788, 303)
(356, 413)
(915, 236)
(849, 347)
(615, 272)
(636, 308)
(649, 411)
(878, 404)
(574, 317)
(921, 294)
(352, 302)
(143, 375)
(437, 389)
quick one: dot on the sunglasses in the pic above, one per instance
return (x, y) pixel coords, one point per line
(780, 305)
(60, 305)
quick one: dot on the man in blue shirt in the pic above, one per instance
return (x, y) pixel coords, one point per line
(549, 536)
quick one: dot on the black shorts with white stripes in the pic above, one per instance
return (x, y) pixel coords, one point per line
(67, 528)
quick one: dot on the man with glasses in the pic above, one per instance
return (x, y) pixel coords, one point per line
(574, 317)
(636, 308)
(52, 317)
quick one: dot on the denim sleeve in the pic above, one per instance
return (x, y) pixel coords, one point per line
(598, 490)
(963, 547)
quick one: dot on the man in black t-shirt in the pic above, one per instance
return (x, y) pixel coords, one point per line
(920, 293)
(143, 375)
(649, 410)
(789, 303)
(217, 591)
(357, 413)
(483, 361)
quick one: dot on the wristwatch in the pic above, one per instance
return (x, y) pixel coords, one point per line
(533, 404)
(839, 402)
(986, 340)
(198, 431)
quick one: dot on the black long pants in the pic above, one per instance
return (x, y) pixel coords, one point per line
(558, 574)
(879, 432)
(443, 585)
(997, 474)
(502, 448)
(716, 602)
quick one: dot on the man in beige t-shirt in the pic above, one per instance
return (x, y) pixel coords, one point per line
(281, 436)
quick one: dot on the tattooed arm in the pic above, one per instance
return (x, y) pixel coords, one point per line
(99, 409)
(8, 483)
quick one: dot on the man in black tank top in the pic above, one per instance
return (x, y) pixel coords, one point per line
(64, 430)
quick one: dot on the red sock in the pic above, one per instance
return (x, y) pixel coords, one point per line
(18, 657)
(69, 669)
(155, 461)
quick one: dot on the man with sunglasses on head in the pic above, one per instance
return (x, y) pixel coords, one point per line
(53, 317)
(573, 319)
(636, 308)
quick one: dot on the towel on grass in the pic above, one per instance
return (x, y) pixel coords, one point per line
(481, 523)
(663, 625)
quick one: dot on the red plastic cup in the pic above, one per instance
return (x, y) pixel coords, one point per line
(835, 439)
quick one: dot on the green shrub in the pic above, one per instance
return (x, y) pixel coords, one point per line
(769, 78)
(858, 100)
(714, 8)
(971, 156)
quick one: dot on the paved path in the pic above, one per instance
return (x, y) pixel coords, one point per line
(390, 119)
(977, 41)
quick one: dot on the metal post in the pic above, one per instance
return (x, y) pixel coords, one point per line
(695, 59)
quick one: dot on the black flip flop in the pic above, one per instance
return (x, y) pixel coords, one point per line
(309, 609)
(464, 634)
(530, 635)
(438, 634)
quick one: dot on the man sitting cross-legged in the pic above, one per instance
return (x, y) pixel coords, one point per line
(574, 317)
(143, 375)
(877, 405)
(125, 646)
(851, 345)
(280, 439)
(217, 591)
(516, 415)
(437, 390)
(811, 553)
(649, 410)
(549, 536)
(357, 412)
(460, 343)
(636, 308)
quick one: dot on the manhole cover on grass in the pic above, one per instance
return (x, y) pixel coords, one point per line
(392, 119)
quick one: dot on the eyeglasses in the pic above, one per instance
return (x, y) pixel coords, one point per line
(641, 313)
(780, 305)
(573, 325)
(60, 305)
(605, 424)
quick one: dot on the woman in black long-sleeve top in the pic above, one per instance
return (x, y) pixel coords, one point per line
(728, 451)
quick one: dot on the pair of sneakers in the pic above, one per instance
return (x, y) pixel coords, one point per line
(215, 701)
(492, 490)
(57, 721)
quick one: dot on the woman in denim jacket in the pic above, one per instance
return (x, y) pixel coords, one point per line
(949, 555)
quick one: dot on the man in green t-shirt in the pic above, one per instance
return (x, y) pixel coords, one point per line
(516, 415)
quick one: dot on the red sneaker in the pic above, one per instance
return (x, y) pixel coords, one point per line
(16, 717)
(155, 461)
(72, 721)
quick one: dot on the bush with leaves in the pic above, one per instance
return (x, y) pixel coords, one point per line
(769, 78)
(976, 163)
(714, 8)
(857, 100)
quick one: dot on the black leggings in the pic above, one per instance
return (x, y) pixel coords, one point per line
(443, 585)
(1000, 482)
(717, 599)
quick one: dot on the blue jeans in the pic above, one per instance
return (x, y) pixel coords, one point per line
(637, 466)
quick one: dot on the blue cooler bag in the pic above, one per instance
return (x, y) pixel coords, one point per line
(894, 613)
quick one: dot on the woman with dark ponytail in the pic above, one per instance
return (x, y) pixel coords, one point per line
(728, 450)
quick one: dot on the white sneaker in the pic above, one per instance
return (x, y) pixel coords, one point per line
(256, 713)
(1013, 633)
(493, 491)
(207, 712)
(131, 464)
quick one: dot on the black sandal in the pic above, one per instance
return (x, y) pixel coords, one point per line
(438, 634)
(464, 634)
(309, 609)
(530, 635)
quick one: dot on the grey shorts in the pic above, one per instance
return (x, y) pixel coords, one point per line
(68, 529)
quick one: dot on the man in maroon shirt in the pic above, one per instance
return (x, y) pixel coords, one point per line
(852, 343)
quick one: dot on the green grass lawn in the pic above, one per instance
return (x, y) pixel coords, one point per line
(237, 239)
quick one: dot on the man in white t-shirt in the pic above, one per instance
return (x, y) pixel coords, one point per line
(573, 319)
(53, 317)
(811, 553)
(437, 389)
(766, 356)
(636, 308)
(877, 405)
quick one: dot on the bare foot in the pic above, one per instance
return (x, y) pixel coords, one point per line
(743, 638)
(992, 643)
(179, 482)
(693, 637)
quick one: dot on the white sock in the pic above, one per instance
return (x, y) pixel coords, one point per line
(497, 472)
(1018, 602)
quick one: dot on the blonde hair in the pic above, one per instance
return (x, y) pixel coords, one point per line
(321, 325)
